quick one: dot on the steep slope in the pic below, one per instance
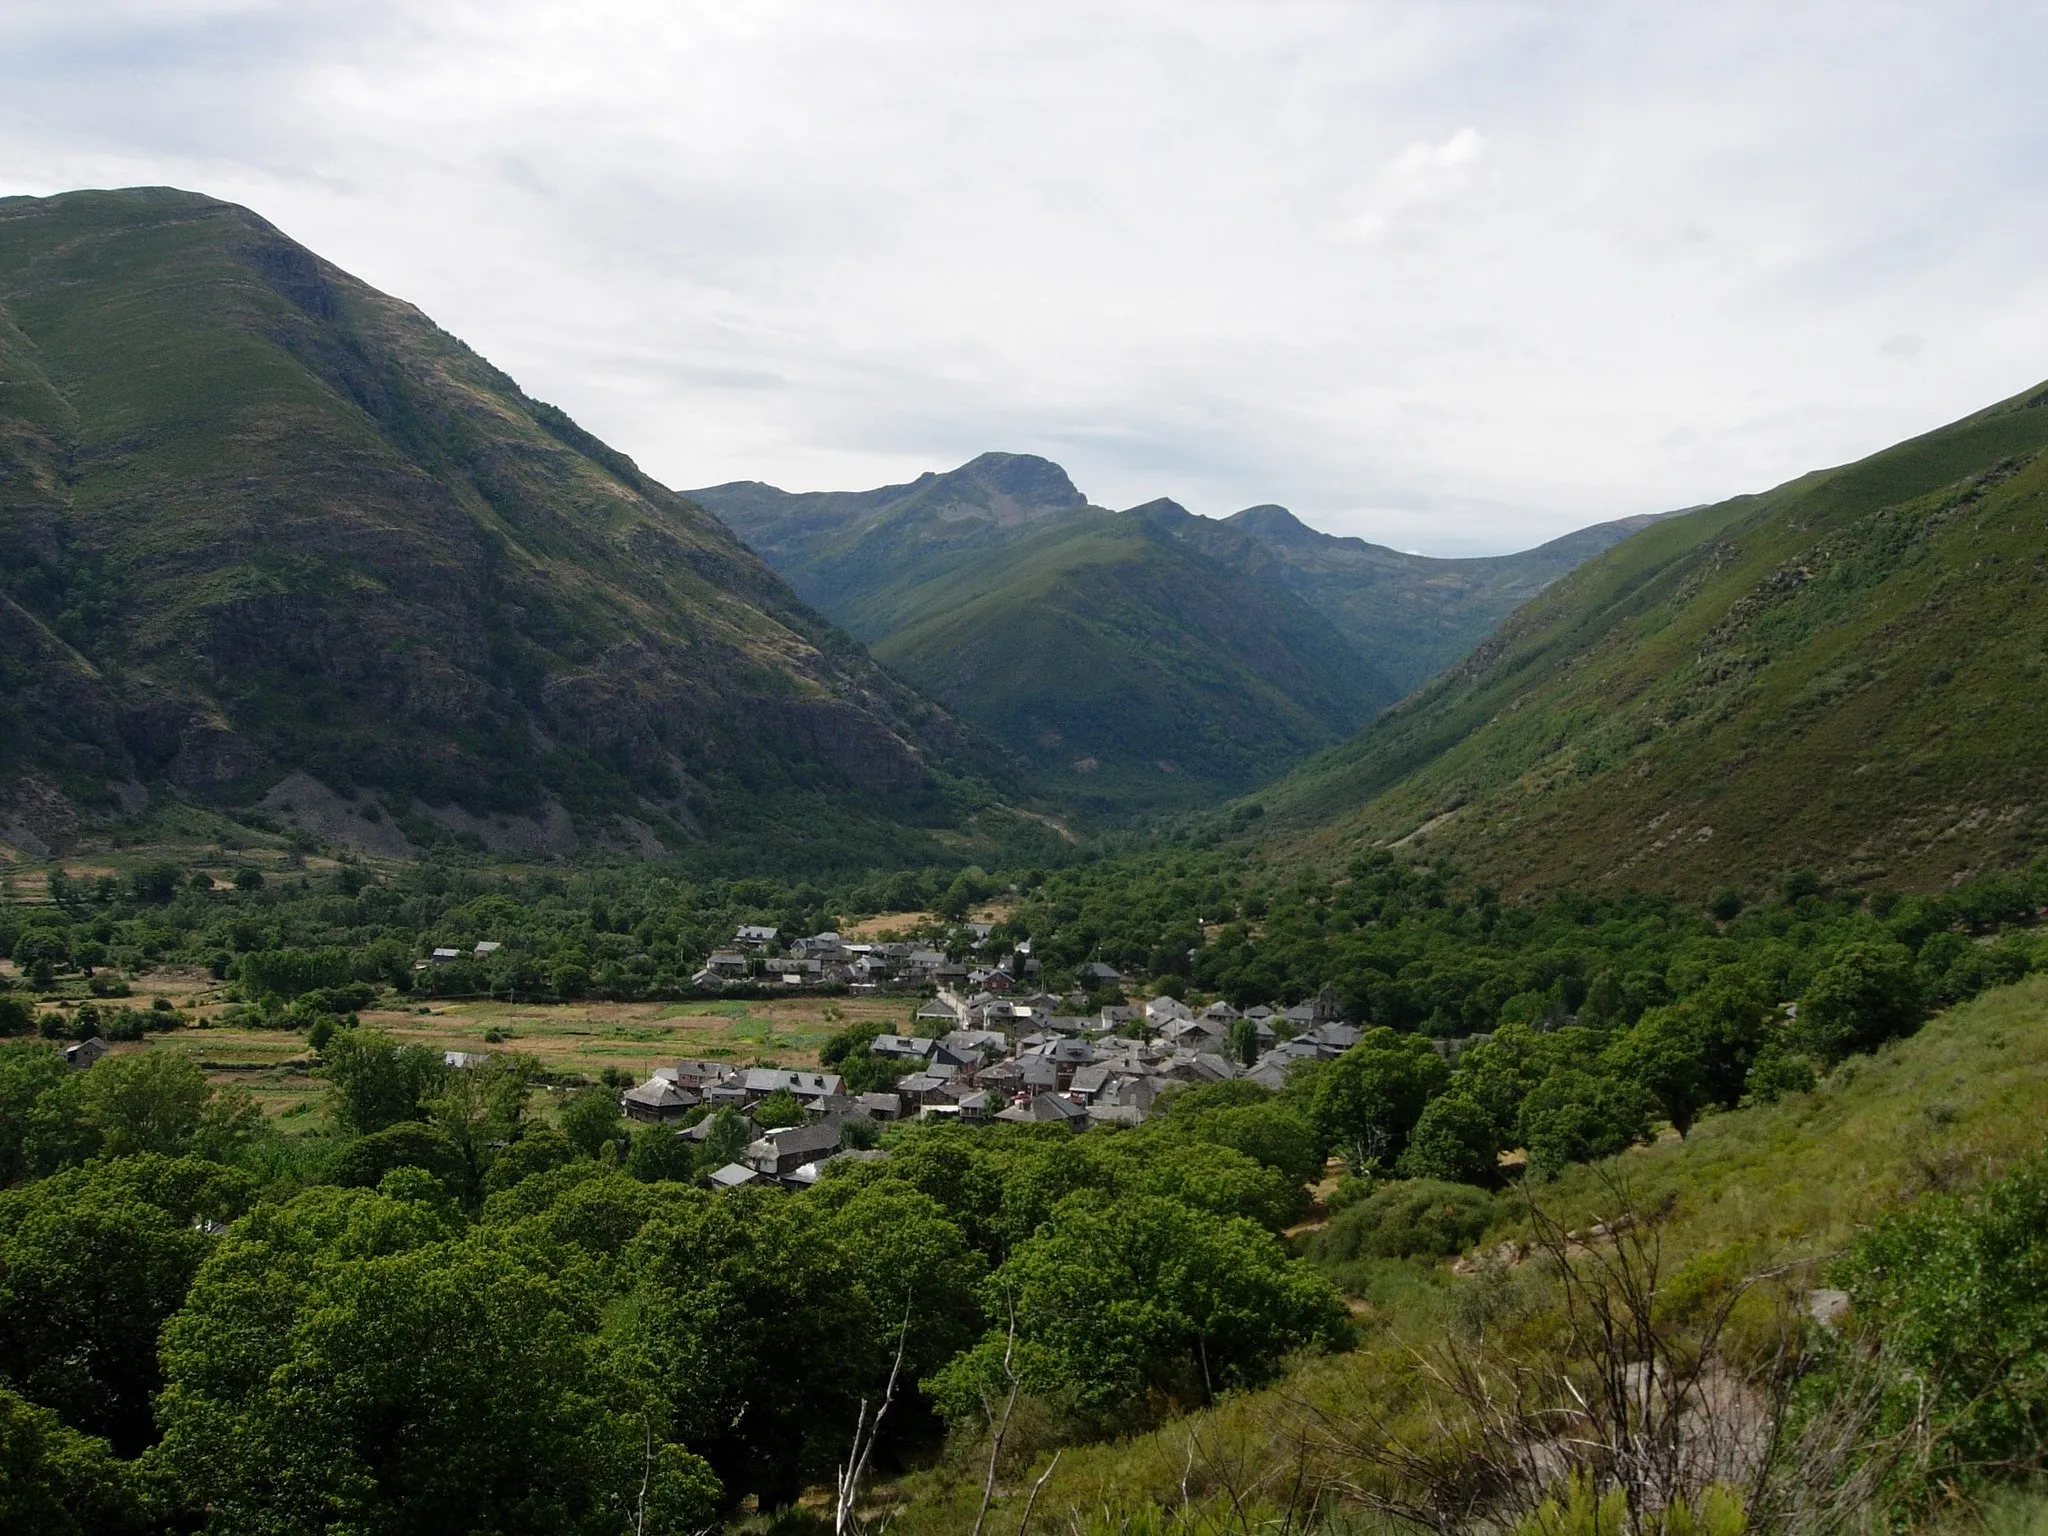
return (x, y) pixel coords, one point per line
(1412, 614)
(1124, 670)
(257, 517)
(850, 552)
(1849, 672)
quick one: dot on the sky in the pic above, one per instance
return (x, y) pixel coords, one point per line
(1454, 276)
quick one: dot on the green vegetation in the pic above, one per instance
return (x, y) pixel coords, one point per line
(1841, 674)
(1678, 1170)
(447, 1304)
(1061, 1289)
(1410, 615)
(344, 545)
(1131, 661)
(1931, 1147)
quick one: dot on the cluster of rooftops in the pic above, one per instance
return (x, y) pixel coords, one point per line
(757, 955)
(1005, 1059)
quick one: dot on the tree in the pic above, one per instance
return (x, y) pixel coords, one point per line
(92, 1272)
(1368, 1100)
(1575, 1116)
(150, 1101)
(1457, 1141)
(662, 1154)
(591, 1118)
(1212, 1178)
(778, 1109)
(1143, 1293)
(364, 1162)
(1867, 994)
(288, 973)
(28, 1070)
(1695, 1052)
(40, 953)
(904, 1252)
(57, 1482)
(1244, 1041)
(409, 1385)
(539, 1148)
(481, 1108)
(741, 1296)
(725, 1140)
(376, 1082)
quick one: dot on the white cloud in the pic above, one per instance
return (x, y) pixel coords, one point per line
(1460, 277)
(1422, 174)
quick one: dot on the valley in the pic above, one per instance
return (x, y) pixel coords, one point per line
(540, 1003)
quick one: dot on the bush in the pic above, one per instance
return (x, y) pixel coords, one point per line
(1777, 1072)
(1952, 1288)
(1413, 1218)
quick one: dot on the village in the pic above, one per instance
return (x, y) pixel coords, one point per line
(987, 1049)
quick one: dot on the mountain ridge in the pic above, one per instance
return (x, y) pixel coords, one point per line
(259, 518)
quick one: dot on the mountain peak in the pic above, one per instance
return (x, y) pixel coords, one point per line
(1023, 477)
(1268, 521)
(1162, 510)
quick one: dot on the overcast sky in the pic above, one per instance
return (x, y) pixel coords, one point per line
(1456, 276)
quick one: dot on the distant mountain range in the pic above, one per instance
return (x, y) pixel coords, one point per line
(258, 520)
(1135, 659)
(1847, 674)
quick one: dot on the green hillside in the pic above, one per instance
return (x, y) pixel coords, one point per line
(1131, 660)
(257, 518)
(1124, 670)
(1412, 614)
(1845, 673)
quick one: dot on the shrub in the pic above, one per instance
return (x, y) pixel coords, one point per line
(1413, 1218)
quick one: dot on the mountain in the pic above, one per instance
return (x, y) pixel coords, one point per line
(1131, 660)
(847, 552)
(262, 524)
(1848, 673)
(1413, 615)
(1124, 669)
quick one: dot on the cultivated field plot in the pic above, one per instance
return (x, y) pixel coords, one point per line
(588, 1037)
(277, 1067)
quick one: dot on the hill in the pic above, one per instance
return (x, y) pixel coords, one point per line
(1412, 614)
(848, 552)
(1846, 673)
(260, 523)
(1125, 670)
(1132, 660)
